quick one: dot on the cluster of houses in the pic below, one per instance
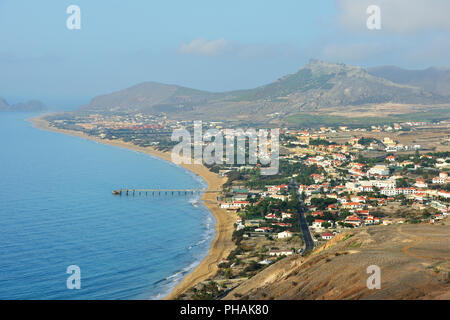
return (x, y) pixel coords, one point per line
(240, 197)
(343, 178)
(357, 188)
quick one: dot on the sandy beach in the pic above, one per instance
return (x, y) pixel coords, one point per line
(222, 243)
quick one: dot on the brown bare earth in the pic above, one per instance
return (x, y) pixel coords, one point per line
(414, 262)
(221, 246)
(380, 110)
(431, 138)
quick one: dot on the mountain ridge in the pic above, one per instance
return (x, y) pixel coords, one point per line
(433, 79)
(315, 86)
(31, 105)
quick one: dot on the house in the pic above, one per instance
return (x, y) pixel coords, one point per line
(441, 179)
(421, 196)
(317, 177)
(254, 222)
(283, 225)
(338, 156)
(390, 158)
(389, 191)
(240, 197)
(331, 207)
(397, 191)
(276, 189)
(278, 253)
(354, 220)
(380, 170)
(263, 229)
(420, 183)
(407, 191)
(272, 216)
(318, 223)
(438, 216)
(317, 214)
(352, 205)
(358, 199)
(438, 180)
(240, 204)
(365, 188)
(370, 220)
(285, 215)
(357, 172)
(406, 163)
(280, 197)
(444, 194)
(285, 234)
(234, 205)
(327, 236)
(240, 226)
(225, 205)
(223, 173)
(442, 163)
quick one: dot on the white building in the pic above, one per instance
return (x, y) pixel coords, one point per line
(444, 194)
(327, 236)
(278, 253)
(380, 170)
(285, 234)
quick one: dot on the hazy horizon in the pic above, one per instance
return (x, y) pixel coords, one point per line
(208, 46)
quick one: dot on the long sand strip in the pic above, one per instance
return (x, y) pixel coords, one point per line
(222, 243)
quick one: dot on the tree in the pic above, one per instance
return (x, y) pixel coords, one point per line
(402, 183)
(326, 225)
(228, 273)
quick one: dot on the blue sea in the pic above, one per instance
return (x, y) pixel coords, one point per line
(57, 210)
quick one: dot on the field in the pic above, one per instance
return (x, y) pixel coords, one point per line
(374, 115)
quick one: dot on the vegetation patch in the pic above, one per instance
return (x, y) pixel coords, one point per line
(313, 120)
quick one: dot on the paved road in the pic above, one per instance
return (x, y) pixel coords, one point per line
(307, 238)
(305, 230)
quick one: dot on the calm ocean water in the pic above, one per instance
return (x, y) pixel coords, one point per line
(56, 210)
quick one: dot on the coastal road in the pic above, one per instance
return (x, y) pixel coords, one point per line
(309, 243)
(307, 238)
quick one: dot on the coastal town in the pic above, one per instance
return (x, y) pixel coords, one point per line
(225, 159)
(338, 178)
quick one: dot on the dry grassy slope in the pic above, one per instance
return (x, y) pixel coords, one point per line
(414, 262)
(315, 86)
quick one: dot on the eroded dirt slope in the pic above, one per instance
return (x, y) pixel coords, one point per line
(414, 262)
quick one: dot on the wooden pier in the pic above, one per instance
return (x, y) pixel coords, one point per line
(159, 192)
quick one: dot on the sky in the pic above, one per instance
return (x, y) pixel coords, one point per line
(208, 45)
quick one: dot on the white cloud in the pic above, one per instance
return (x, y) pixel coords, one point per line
(203, 47)
(397, 16)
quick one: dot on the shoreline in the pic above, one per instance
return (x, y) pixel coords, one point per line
(222, 244)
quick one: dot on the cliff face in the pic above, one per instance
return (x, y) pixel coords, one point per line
(414, 262)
